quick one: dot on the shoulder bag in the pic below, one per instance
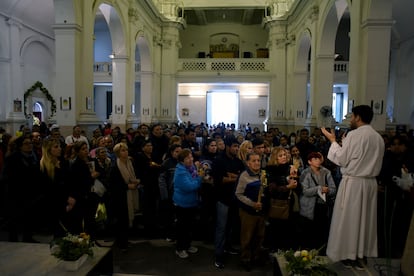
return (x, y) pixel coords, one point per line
(279, 208)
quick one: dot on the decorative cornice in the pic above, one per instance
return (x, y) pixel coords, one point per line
(377, 23)
(176, 22)
(120, 58)
(64, 26)
(133, 15)
(328, 57)
(280, 42)
(314, 13)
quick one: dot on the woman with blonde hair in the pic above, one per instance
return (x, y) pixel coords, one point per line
(123, 187)
(57, 201)
(282, 184)
(245, 148)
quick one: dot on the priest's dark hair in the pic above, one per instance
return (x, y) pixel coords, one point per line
(364, 112)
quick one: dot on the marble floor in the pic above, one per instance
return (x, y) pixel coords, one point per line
(157, 257)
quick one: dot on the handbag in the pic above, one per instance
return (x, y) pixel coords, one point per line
(98, 188)
(279, 208)
(101, 214)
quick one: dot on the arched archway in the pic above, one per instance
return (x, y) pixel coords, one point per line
(323, 57)
(38, 61)
(111, 52)
(38, 110)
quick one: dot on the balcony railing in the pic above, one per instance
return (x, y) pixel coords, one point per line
(218, 64)
(102, 67)
(223, 64)
(339, 66)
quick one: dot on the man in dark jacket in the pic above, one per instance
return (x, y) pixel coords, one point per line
(226, 169)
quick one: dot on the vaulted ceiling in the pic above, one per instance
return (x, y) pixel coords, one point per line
(205, 16)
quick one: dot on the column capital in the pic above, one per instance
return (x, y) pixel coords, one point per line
(314, 14)
(178, 25)
(277, 25)
(377, 23)
(120, 58)
(65, 26)
(325, 57)
(133, 15)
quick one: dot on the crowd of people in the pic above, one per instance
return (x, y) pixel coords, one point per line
(217, 184)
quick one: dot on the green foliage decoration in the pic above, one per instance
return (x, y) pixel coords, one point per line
(39, 85)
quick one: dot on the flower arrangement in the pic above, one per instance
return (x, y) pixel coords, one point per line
(304, 262)
(72, 247)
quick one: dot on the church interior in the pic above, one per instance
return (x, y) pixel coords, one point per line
(286, 64)
(132, 62)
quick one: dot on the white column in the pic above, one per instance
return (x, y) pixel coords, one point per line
(277, 60)
(168, 86)
(84, 71)
(321, 91)
(119, 104)
(375, 65)
(369, 56)
(146, 97)
(16, 88)
(131, 110)
(66, 65)
(298, 98)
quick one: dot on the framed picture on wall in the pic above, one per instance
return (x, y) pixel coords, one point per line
(65, 103)
(185, 112)
(17, 106)
(377, 106)
(262, 113)
(119, 109)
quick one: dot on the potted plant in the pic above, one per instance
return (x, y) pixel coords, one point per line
(72, 250)
(304, 262)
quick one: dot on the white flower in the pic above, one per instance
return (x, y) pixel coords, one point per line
(297, 254)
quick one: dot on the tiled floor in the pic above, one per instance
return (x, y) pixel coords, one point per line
(157, 257)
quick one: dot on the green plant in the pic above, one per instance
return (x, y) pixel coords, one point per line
(304, 262)
(39, 85)
(72, 247)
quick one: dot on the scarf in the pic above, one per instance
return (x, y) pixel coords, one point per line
(192, 170)
(128, 173)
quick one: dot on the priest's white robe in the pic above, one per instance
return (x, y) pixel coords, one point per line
(353, 231)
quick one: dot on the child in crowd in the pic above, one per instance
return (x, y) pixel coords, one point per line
(316, 201)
